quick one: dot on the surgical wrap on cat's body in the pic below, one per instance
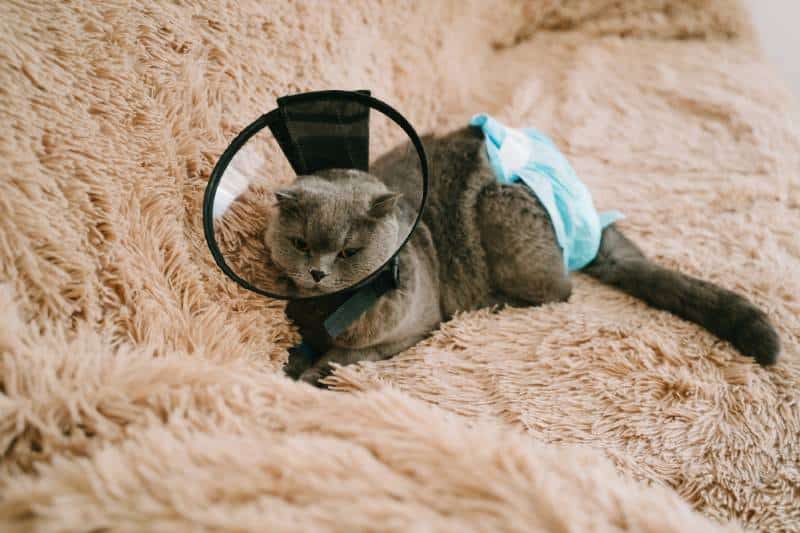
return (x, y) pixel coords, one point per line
(528, 156)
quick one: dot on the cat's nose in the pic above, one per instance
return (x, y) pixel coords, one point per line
(317, 274)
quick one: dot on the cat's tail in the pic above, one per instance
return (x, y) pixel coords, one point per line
(727, 315)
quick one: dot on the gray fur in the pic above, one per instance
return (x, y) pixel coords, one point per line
(333, 211)
(481, 243)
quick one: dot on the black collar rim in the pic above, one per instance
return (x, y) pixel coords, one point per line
(265, 120)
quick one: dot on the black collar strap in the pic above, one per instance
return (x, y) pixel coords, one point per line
(363, 300)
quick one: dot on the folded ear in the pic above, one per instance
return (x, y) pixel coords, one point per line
(288, 202)
(384, 204)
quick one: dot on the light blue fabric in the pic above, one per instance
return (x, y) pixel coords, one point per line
(528, 156)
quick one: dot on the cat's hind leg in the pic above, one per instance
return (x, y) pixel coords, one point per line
(525, 262)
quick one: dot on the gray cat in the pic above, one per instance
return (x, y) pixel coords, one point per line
(480, 243)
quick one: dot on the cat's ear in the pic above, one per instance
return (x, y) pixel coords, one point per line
(288, 202)
(384, 204)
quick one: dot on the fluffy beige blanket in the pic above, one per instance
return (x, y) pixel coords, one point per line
(141, 389)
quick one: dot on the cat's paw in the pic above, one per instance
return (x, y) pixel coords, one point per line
(297, 363)
(756, 337)
(315, 374)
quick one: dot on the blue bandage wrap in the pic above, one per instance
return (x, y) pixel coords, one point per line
(530, 157)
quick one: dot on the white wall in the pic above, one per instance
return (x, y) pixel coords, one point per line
(778, 24)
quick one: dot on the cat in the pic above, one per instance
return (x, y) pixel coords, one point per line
(479, 244)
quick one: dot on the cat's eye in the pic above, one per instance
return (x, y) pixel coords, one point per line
(300, 244)
(349, 252)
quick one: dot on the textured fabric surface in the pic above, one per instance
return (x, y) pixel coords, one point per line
(141, 389)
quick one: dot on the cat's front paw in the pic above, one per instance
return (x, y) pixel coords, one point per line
(315, 374)
(298, 362)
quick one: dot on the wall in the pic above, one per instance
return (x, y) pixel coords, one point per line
(776, 21)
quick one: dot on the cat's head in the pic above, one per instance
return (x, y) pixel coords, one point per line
(333, 229)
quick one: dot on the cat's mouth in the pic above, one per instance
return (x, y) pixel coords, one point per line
(309, 287)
